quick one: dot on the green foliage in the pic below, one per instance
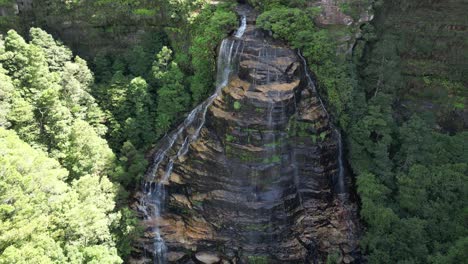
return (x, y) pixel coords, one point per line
(237, 105)
(284, 22)
(272, 159)
(323, 135)
(296, 26)
(139, 124)
(5, 2)
(301, 129)
(173, 99)
(86, 152)
(415, 175)
(45, 220)
(56, 54)
(135, 163)
(144, 12)
(210, 27)
(127, 231)
(258, 259)
(314, 139)
(456, 253)
(428, 208)
(140, 58)
(355, 7)
(8, 19)
(51, 99)
(333, 258)
(420, 174)
(46, 99)
(230, 138)
(267, 5)
(6, 98)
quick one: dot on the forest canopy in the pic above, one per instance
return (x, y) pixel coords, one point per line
(74, 134)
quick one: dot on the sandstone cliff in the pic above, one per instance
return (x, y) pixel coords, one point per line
(257, 184)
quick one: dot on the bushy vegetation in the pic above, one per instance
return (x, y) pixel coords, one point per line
(210, 28)
(45, 219)
(7, 19)
(58, 203)
(411, 177)
(295, 25)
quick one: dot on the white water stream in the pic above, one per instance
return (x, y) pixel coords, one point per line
(340, 186)
(152, 204)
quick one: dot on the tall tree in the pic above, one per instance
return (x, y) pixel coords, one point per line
(45, 220)
(173, 99)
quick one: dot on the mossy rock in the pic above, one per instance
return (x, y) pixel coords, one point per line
(237, 105)
(258, 259)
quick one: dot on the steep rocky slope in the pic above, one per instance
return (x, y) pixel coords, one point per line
(257, 184)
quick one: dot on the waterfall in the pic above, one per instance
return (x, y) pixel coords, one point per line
(340, 186)
(342, 195)
(240, 32)
(152, 204)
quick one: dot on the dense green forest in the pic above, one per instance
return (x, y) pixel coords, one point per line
(74, 132)
(84, 133)
(60, 204)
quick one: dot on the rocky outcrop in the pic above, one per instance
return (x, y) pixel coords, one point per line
(257, 185)
(342, 12)
(343, 19)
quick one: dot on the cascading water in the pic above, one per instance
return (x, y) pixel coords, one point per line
(340, 186)
(152, 204)
(240, 32)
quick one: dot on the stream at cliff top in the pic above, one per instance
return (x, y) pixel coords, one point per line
(190, 131)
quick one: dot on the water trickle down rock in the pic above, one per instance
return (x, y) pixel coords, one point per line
(251, 178)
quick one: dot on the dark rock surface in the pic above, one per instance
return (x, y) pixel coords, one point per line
(256, 187)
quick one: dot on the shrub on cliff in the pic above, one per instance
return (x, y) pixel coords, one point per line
(212, 24)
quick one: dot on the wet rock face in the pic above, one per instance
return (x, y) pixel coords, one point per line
(256, 187)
